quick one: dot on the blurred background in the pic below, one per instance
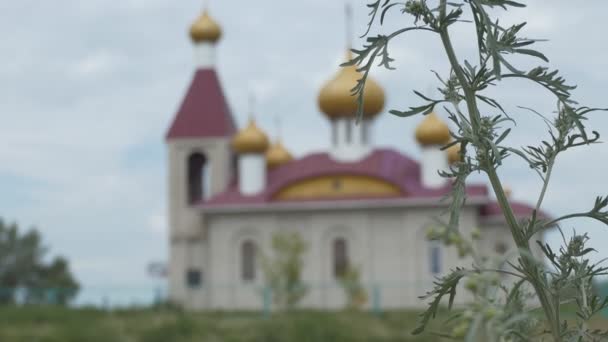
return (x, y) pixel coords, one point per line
(89, 89)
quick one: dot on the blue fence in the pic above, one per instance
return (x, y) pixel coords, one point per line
(101, 297)
(111, 297)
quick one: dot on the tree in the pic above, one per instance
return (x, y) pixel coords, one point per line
(283, 269)
(356, 295)
(22, 267)
(482, 136)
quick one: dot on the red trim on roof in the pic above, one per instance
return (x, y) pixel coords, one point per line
(204, 111)
(388, 165)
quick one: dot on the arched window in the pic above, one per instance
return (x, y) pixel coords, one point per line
(206, 175)
(435, 256)
(197, 178)
(248, 256)
(340, 257)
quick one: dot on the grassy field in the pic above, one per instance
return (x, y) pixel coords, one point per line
(62, 325)
(88, 325)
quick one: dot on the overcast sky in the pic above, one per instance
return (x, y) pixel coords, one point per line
(90, 87)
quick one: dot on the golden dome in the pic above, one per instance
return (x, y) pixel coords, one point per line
(432, 131)
(454, 153)
(277, 155)
(251, 139)
(205, 29)
(337, 101)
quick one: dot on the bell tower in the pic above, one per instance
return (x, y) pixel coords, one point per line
(199, 160)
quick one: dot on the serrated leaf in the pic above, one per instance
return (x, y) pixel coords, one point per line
(532, 53)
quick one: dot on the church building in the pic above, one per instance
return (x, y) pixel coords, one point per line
(230, 189)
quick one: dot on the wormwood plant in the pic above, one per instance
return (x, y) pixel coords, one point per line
(499, 312)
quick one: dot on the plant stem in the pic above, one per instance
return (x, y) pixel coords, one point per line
(546, 180)
(585, 305)
(521, 242)
(565, 217)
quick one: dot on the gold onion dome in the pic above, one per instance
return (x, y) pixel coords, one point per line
(454, 153)
(250, 139)
(277, 155)
(432, 131)
(205, 29)
(337, 101)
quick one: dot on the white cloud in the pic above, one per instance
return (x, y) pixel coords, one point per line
(97, 64)
(157, 223)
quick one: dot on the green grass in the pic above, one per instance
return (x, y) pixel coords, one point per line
(47, 324)
(83, 325)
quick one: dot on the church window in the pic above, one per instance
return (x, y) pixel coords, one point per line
(435, 256)
(198, 178)
(340, 257)
(248, 261)
(194, 278)
(501, 247)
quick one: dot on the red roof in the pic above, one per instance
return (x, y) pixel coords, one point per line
(204, 111)
(385, 164)
(520, 210)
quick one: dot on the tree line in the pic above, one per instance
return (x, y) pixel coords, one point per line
(27, 276)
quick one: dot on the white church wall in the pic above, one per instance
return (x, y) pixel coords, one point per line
(421, 248)
(389, 245)
(177, 285)
(303, 224)
(249, 292)
(327, 229)
(227, 289)
(196, 263)
(184, 219)
(433, 160)
(185, 224)
(495, 237)
(448, 255)
(252, 174)
(204, 55)
(390, 257)
(187, 255)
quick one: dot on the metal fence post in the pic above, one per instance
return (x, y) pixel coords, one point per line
(158, 296)
(376, 309)
(267, 298)
(52, 296)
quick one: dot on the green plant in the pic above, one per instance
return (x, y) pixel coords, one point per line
(356, 295)
(22, 267)
(58, 324)
(483, 148)
(282, 270)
